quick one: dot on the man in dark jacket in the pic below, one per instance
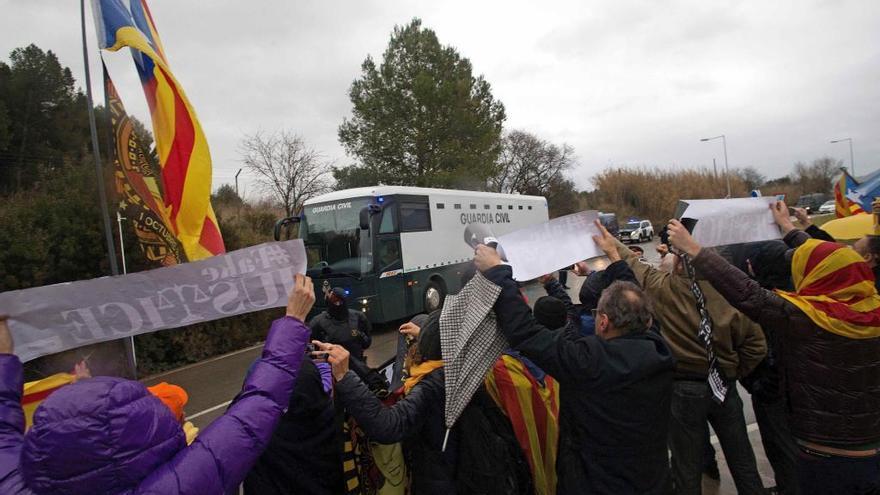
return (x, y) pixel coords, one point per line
(739, 345)
(615, 386)
(830, 368)
(351, 329)
(304, 454)
(342, 326)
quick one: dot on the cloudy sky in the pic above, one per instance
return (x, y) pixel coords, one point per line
(626, 83)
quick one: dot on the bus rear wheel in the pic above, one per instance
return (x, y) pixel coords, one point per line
(434, 295)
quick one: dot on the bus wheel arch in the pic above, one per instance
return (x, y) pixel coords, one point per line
(435, 294)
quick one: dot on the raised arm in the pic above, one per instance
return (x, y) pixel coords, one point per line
(381, 423)
(555, 289)
(742, 292)
(223, 454)
(561, 357)
(11, 414)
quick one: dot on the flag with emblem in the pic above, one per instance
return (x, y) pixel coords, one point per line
(844, 189)
(139, 186)
(180, 142)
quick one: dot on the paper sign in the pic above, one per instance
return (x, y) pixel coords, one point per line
(54, 318)
(550, 246)
(721, 222)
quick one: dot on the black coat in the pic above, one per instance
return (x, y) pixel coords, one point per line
(614, 399)
(304, 455)
(352, 331)
(416, 420)
(831, 383)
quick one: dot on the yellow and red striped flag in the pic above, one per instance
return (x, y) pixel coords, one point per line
(35, 393)
(180, 141)
(533, 409)
(835, 288)
(843, 205)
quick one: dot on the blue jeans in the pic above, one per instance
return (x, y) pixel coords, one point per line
(821, 474)
(692, 407)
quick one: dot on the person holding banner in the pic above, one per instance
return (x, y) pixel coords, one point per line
(829, 327)
(738, 346)
(615, 386)
(111, 435)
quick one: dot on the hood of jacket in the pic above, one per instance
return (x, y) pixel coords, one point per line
(103, 434)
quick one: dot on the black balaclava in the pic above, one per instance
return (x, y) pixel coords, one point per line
(551, 312)
(429, 338)
(337, 305)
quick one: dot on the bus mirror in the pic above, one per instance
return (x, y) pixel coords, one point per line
(365, 218)
(284, 224)
(367, 212)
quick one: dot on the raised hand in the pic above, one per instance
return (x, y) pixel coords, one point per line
(301, 298)
(606, 242)
(782, 217)
(336, 355)
(486, 257)
(681, 239)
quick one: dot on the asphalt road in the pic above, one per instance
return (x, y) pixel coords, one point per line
(212, 384)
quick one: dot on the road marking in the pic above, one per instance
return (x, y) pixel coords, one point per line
(749, 429)
(193, 365)
(208, 410)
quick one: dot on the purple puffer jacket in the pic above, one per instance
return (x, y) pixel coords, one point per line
(110, 435)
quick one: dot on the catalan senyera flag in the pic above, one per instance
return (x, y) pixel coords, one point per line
(834, 287)
(138, 184)
(36, 392)
(180, 141)
(844, 206)
(533, 409)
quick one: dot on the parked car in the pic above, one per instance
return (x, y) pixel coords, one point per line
(609, 221)
(827, 207)
(637, 231)
(812, 202)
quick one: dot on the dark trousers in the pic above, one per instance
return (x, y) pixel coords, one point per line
(831, 475)
(563, 277)
(780, 447)
(692, 407)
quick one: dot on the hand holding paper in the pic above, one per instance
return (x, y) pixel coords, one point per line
(681, 239)
(606, 242)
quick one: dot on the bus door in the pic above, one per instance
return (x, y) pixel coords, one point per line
(391, 283)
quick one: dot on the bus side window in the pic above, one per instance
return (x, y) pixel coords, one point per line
(414, 217)
(387, 225)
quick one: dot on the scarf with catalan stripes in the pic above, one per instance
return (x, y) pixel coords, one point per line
(835, 288)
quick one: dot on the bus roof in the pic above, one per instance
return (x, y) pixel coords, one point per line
(374, 191)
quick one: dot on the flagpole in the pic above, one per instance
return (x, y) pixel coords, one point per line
(99, 171)
(128, 344)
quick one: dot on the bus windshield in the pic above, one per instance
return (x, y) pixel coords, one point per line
(334, 242)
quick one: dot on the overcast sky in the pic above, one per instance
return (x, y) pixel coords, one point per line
(625, 83)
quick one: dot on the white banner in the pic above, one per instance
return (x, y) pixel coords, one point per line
(550, 246)
(54, 318)
(732, 221)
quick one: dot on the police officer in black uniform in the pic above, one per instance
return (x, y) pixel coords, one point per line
(350, 329)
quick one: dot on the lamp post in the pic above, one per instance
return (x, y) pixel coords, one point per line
(852, 164)
(236, 182)
(726, 167)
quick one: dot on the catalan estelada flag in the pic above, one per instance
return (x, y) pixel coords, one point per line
(843, 205)
(533, 409)
(834, 287)
(180, 142)
(36, 392)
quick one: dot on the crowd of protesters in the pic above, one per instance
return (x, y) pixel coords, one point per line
(614, 394)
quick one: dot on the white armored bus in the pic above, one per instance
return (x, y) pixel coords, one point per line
(397, 251)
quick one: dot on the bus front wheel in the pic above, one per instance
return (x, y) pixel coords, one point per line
(434, 296)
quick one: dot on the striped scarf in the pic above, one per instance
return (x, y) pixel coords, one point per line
(834, 287)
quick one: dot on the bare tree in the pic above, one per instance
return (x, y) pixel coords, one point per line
(817, 176)
(751, 177)
(530, 165)
(286, 168)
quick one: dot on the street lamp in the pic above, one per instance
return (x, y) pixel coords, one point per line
(726, 167)
(852, 165)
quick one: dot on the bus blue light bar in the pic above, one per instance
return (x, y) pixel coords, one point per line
(380, 199)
